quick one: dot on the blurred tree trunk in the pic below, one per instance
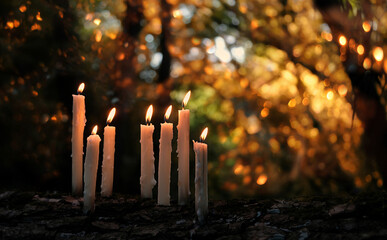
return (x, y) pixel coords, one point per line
(366, 103)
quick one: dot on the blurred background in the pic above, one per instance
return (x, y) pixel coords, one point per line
(293, 91)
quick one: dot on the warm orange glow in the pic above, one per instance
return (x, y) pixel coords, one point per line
(16, 23)
(36, 27)
(378, 54)
(204, 134)
(38, 17)
(342, 40)
(98, 36)
(186, 98)
(385, 65)
(265, 112)
(366, 26)
(367, 63)
(111, 116)
(149, 113)
(238, 169)
(330, 95)
(262, 179)
(97, 21)
(177, 14)
(95, 129)
(22, 8)
(10, 24)
(342, 90)
(168, 113)
(81, 88)
(254, 24)
(292, 103)
(360, 49)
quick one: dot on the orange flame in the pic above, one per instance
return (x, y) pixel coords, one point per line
(378, 54)
(81, 88)
(95, 129)
(168, 113)
(186, 98)
(111, 116)
(149, 113)
(204, 134)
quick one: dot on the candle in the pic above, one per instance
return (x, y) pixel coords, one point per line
(91, 166)
(183, 153)
(79, 121)
(166, 136)
(109, 135)
(147, 179)
(201, 184)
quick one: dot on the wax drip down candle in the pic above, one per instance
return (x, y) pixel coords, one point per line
(183, 153)
(201, 172)
(109, 136)
(91, 167)
(166, 135)
(147, 179)
(79, 121)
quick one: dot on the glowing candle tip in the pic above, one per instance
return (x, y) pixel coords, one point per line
(204, 134)
(81, 88)
(168, 113)
(186, 98)
(95, 129)
(112, 113)
(149, 113)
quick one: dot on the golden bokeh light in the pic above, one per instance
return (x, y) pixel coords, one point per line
(342, 89)
(292, 103)
(378, 54)
(360, 49)
(262, 179)
(342, 40)
(366, 26)
(367, 63)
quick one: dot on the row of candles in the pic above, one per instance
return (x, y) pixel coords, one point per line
(147, 180)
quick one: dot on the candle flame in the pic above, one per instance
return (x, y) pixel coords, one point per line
(81, 88)
(111, 116)
(95, 129)
(149, 113)
(168, 113)
(378, 54)
(186, 98)
(204, 134)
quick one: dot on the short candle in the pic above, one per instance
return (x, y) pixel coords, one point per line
(91, 167)
(201, 182)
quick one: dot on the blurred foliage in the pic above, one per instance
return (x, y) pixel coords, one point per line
(266, 78)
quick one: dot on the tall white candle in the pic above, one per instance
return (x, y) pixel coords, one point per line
(166, 135)
(91, 167)
(79, 121)
(183, 153)
(147, 179)
(201, 183)
(109, 141)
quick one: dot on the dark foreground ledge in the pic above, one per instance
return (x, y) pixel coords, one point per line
(26, 215)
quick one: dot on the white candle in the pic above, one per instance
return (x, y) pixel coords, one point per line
(201, 184)
(166, 136)
(91, 167)
(109, 141)
(147, 179)
(79, 121)
(183, 153)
